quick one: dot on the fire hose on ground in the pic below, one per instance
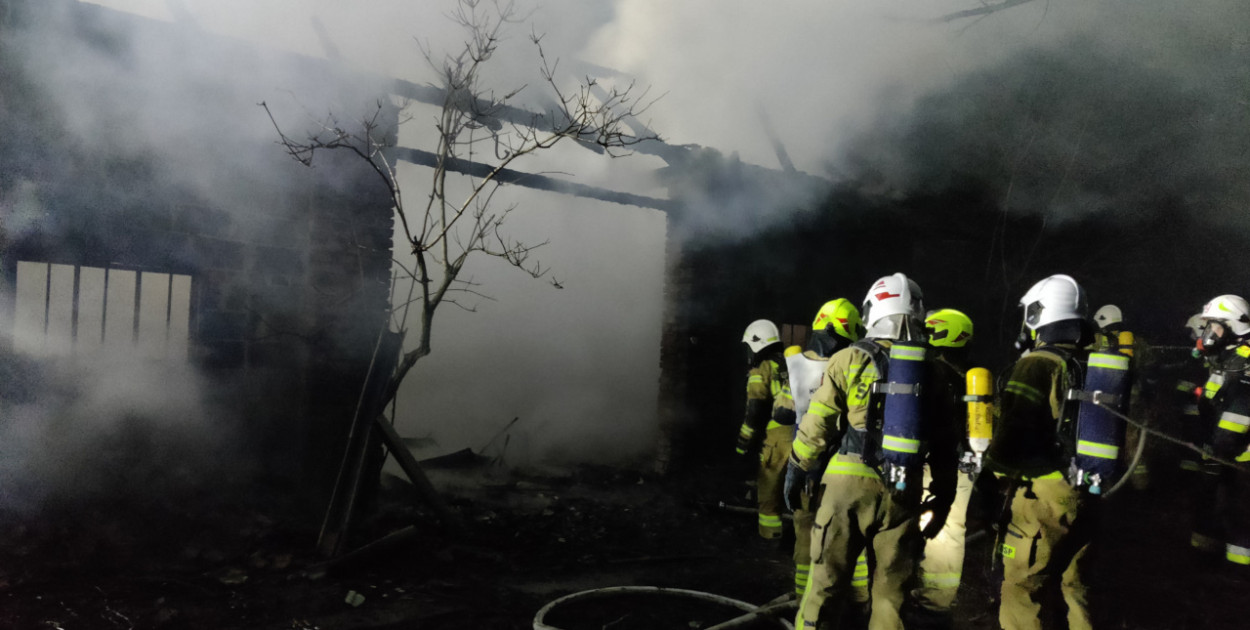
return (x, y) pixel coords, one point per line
(752, 613)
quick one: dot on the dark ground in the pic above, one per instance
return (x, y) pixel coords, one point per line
(202, 562)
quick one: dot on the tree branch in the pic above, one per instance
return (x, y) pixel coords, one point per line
(980, 11)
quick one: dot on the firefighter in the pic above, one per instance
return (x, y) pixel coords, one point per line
(1051, 518)
(1222, 517)
(941, 567)
(836, 326)
(1185, 401)
(769, 421)
(1109, 320)
(873, 413)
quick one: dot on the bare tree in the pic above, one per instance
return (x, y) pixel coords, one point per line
(442, 231)
(478, 136)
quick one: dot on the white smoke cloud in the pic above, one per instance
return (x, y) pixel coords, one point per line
(104, 426)
(579, 365)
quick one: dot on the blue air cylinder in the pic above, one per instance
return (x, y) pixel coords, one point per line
(1099, 433)
(903, 415)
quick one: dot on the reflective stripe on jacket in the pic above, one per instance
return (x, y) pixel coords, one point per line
(769, 403)
(1026, 443)
(841, 402)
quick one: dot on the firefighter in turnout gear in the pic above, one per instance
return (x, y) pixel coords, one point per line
(1034, 447)
(1110, 322)
(1222, 507)
(837, 325)
(769, 421)
(1185, 401)
(941, 566)
(873, 412)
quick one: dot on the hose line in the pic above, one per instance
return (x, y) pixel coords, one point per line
(1175, 440)
(1128, 472)
(751, 610)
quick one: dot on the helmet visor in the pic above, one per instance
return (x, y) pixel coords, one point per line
(1033, 313)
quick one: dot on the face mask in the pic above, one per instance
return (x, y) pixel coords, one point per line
(1213, 339)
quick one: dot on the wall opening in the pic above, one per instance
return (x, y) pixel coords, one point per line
(70, 310)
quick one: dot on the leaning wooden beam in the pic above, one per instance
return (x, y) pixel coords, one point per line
(415, 474)
(353, 558)
(530, 180)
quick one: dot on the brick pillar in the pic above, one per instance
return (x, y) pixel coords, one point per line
(673, 406)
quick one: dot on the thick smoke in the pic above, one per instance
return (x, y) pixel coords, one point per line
(1076, 100)
(1062, 107)
(1099, 123)
(97, 425)
(578, 365)
(106, 428)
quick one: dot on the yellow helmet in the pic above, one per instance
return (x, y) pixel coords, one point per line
(948, 328)
(842, 317)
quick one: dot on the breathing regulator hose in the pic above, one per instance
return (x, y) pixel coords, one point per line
(1128, 472)
(1141, 447)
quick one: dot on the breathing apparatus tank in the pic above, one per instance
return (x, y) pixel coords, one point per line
(805, 375)
(1125, 342)
(903, 415)
(979, 396)
(1099, 433)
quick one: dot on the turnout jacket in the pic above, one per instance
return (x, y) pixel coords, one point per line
(1225, 404)
(843, 403)
(769, 402)
(1029, 441)
(949, 382)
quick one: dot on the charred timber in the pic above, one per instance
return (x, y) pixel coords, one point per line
(530, 180)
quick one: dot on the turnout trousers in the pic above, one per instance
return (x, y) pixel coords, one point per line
(941, 567)
(804, 519)
(1046, 542)
(1208, 507)
(770, 484)
(1237, 517)
(857, 514)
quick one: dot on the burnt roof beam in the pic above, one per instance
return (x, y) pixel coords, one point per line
(531, 180)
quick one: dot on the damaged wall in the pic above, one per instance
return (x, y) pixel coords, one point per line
(178, 172)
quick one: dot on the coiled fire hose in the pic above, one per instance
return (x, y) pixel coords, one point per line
(752, 612)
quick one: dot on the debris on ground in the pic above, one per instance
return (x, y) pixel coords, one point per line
(242, 561)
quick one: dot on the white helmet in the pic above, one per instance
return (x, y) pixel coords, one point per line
(1108, 315)
(1054, 299)
(892, 295)
(761, 334)
(1230, 309)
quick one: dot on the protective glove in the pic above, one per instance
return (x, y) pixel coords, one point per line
(744, 444)
(940, 510)
(813, 480)
(795, 480)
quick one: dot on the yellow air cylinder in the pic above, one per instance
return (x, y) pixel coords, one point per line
(1125, 342)
(980, 409)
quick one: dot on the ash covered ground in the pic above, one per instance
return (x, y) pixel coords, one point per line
(246, 559)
